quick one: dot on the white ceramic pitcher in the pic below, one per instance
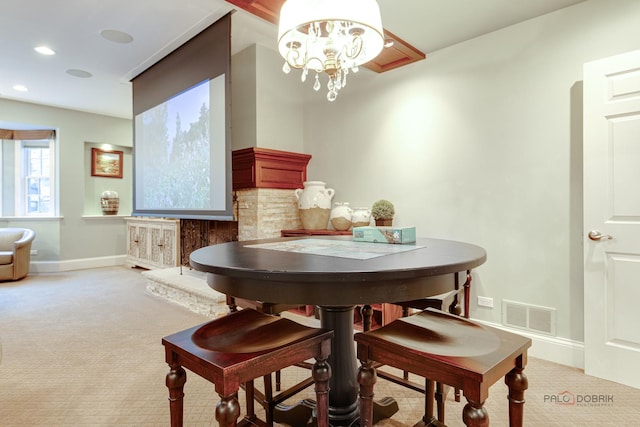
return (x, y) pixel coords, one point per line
(314, 204)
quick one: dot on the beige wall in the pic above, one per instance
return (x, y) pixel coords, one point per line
(481, 142)
(267, 106)
(74, 235)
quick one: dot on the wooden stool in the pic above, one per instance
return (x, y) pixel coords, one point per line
(238, 348)
(451, 350)
(448, 301)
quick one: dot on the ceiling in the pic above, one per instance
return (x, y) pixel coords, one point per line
(72, 28)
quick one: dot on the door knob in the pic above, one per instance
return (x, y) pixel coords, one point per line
(595, 235)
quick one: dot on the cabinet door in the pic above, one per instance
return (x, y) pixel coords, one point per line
(156, 243)
(138, 241)
(169, 245)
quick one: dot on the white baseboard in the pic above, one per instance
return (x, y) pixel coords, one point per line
(554, 349)
(76, 264)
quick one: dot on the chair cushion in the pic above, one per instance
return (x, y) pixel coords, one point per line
(6, 257)
(8, 236)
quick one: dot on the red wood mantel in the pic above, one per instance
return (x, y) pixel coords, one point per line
(256, 167)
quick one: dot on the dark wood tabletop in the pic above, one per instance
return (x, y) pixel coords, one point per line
(301, 278)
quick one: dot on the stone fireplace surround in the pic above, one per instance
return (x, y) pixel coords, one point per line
(264, 202)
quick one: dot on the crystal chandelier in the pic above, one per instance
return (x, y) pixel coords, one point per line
(331, 36)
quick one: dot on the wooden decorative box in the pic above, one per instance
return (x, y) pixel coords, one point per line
(256, 167)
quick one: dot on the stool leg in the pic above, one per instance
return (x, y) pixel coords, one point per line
(405, 313)
(467, 294)
(517, 382)
(321, 374)
(249, 392)
(429, 387)
(475, 414)
(367, 314)
(176, 378)
(228, 410)
(366, 378)
(268, 397)
(278, 380)
(440, 397)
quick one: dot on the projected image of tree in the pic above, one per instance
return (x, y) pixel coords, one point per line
(174, 161)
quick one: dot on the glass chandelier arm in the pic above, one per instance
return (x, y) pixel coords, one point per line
(294, 57)
(355, 48)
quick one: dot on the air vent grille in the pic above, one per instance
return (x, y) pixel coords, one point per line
(529, 317)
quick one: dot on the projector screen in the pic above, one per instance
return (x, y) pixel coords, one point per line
(182, 138)
(180, 155)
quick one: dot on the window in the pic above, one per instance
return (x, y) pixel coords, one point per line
(27, 166)
(35, 194)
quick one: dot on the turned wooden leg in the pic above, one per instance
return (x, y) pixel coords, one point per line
(474, 414)
(366, 378)
(176, 378)
(467, 294)
(228, 410)
(321, 374)
(367, 314)
(517, 382)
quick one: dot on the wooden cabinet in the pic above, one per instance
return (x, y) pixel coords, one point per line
(153, 242)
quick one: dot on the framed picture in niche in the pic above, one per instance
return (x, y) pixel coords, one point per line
(106, 163)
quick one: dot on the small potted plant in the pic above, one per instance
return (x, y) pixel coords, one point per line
(383, 211)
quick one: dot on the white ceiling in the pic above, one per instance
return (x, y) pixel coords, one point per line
(72, 27)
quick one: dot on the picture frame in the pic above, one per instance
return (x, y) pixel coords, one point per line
(106, 163)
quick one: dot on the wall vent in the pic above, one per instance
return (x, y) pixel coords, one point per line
(533, 318)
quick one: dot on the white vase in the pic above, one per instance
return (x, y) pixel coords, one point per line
(361, 217)
(341, 216)
(314, 205)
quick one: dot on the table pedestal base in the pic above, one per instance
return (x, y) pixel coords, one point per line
(343, 393)
(302, 414)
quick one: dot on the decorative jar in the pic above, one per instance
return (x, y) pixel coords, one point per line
(341, 216)
(110, 202)
(361, 217)
(314, 205)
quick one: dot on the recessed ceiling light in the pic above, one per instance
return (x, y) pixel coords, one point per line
(44, 50)
(21, 88)
(79, 73)
(116, 36)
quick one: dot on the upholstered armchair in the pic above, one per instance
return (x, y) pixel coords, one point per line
(15, 252)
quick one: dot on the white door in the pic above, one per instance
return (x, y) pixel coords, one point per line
(612, 209)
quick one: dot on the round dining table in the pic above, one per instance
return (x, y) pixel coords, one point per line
(336, 274)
